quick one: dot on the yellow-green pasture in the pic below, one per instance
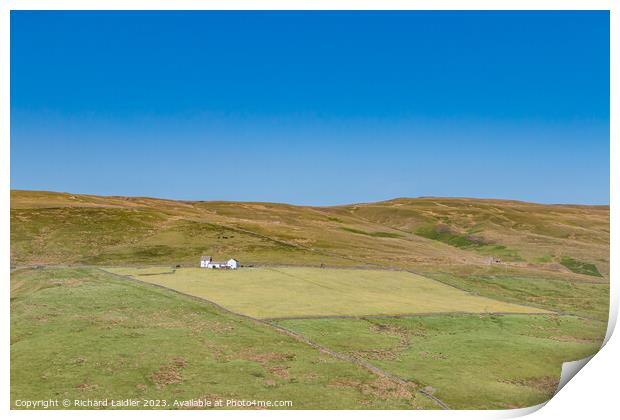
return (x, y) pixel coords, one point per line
(313, 292)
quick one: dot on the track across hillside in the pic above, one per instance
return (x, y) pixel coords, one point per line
(362, 363)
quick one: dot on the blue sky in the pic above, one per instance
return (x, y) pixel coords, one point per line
(312, 107)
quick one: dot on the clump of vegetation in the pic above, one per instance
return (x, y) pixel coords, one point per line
(544, 259)
(374, 234)
(443, 233)
(580, 267)
(499, 251)
(334, 219)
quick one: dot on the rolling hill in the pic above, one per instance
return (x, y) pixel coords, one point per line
(50, 228)
(421, 303)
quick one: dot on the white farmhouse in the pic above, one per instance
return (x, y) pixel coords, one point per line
(207, 262)
(204, 261)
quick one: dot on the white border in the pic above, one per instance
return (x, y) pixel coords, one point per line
(591, 395)
(309, 5)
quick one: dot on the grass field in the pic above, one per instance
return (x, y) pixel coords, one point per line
(538, 288)
(83, 333)
(472, 333)
(308, 292)
(468, 361)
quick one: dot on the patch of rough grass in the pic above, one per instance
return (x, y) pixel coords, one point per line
(381, 388)
(169, 374)
(373, 234)
(281, 372)
(392, 353)
(546, 384)
(580, 267)
(445, 234)
(265, 357)
(87, 387)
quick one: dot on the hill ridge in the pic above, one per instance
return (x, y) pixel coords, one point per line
(57, 228)
(391, 200)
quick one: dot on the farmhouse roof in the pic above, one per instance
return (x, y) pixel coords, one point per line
(205, 258)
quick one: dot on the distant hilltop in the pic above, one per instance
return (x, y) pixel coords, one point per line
(65, 198)
(404, 233)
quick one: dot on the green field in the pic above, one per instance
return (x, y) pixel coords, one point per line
(467, 361)
(83, 333)
(542, 289)
(311, 292)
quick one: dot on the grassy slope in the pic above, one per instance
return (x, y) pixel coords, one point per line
(446, 239)
(83, 333)
(544, 289)
(468, 361)
(59, 228)
(306, 292)
(534, 232)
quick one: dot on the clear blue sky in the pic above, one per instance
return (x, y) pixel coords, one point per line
(312, 107)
